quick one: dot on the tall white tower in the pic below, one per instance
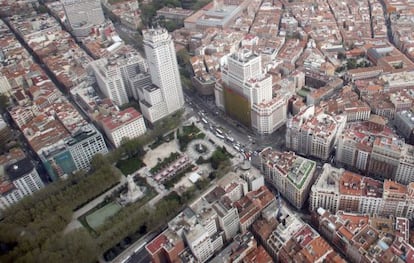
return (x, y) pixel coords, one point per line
(163, 68)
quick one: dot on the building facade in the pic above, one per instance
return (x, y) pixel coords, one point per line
(290, 174)
(81, 15)
(404, 121)
(126, 124)
(110, 80)
(338, 189)
(19, 178)
(163, 68)
(405, 169)
(313, 132)
(245, 93)
(74, 153)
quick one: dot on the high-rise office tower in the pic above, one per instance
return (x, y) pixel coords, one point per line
(166, 93)
(81, 15)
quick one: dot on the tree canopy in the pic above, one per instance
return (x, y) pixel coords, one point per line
(4, 102)
(32, 229)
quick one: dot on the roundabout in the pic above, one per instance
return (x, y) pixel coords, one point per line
(200, 148)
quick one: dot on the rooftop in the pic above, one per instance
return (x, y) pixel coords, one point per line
(19, 169)
(296, 168)
(121, 119)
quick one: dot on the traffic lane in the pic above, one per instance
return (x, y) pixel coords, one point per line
(242, 135)
(141, 256)
(224, 122)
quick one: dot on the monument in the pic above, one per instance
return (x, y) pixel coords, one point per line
(133, 191)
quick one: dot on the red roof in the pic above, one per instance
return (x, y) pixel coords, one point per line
(156, 244)
(123, 117)
(5, 187)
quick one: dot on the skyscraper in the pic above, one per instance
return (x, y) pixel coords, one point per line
(166, 92)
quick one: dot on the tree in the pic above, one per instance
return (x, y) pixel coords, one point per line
(218, 157)
(32, 228)
(98, 161)
(132, 147)
(202, 184)
(341, 56)
(42, 9)
(351, 63)
(148, 12)
(4, 102)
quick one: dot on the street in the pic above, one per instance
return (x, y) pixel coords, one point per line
(249, 140)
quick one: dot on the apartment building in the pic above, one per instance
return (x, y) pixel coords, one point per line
(405, 169)
(251, 205)
(313, 132)
(290, 174)
(338, 189)
(19, 178)
(404, 122)
(126, 124)
(73, 153)
(365, 238)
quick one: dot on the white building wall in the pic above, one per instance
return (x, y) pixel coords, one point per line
(131, 130)
(10, 198)
(201, 246)
(163, 67)
(81, 11)
(83, 151)
(219, 96)
(4, 85)
(110, 81)
(29, 183)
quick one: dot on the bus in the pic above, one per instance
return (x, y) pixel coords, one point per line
(219, 131)
(204, 120)
(219, 135)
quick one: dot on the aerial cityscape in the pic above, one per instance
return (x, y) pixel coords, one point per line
(167, 131)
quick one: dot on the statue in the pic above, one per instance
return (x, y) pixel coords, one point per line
(133, 191)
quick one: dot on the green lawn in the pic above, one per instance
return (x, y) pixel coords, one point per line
(97, 218)
(188, 134)
(129, 166)
(187, 130)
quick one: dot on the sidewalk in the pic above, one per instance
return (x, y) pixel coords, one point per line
(74, 224)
